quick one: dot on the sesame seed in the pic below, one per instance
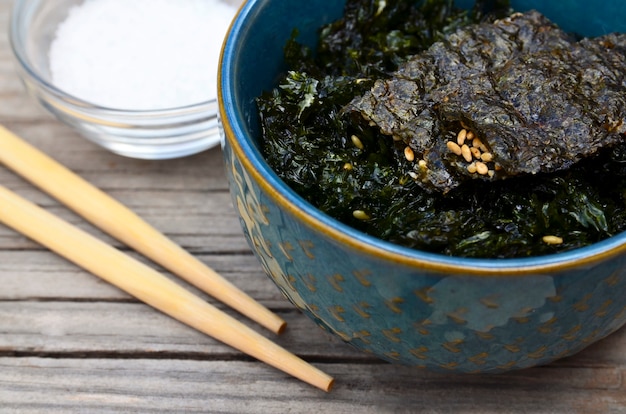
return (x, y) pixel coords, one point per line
(491, 173)
(472, 168)
(487, 157)
(475, 152)
(552, 239)
(466, 152)
(481, 168)
(357, 142)
(348, 167)
(454, 147)
(470, 135)
(422, 164)
(360, 215)
(409, 154)
(462, 135)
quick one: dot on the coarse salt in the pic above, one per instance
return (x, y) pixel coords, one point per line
(141, 54)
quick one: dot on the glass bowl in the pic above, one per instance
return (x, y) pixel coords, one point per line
(147, 134)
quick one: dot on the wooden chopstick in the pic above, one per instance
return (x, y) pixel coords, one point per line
(148, 285)
(120, 222)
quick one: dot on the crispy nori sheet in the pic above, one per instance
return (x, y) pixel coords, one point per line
(538, 98)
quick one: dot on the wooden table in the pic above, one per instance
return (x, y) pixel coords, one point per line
(70, 342)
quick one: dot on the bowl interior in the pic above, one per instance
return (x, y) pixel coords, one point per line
(586, 18)
(252, 62)
(255, 58)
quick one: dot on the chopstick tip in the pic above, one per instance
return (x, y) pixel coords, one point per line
(280, 327)
(319, 379)
(270, 321)
(330, 385)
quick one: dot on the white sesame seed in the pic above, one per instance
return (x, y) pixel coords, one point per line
(409, 154)
(487, 157)
(552, 239)
(357, 142)
(360, 215)
(454, 147)
(466, 152)
(481, 168)
(461, 136)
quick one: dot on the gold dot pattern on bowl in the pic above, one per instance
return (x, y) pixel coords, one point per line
(446, 322)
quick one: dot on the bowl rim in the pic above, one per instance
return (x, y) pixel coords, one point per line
(17, 47)
(254, 163)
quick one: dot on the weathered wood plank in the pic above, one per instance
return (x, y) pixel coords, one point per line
(101, 386)
(201, 172)
(199, 222)
(33, 275)
(87, 328)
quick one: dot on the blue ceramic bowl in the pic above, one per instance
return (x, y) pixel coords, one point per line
(402, 305)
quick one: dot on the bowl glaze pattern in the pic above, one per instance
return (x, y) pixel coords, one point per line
(403, 306)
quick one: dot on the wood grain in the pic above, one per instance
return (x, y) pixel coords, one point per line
(70, 343)
(113, 385)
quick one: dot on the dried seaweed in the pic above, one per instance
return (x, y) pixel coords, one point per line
(353, 172)
(538, 100)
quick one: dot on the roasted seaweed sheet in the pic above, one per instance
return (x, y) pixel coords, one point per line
(536, 99)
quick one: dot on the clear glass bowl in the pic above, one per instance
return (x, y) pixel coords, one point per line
(147, 134)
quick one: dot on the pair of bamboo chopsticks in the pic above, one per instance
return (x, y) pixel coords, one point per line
(128, 274)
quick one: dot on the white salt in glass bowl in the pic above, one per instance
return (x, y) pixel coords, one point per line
(147, 134)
